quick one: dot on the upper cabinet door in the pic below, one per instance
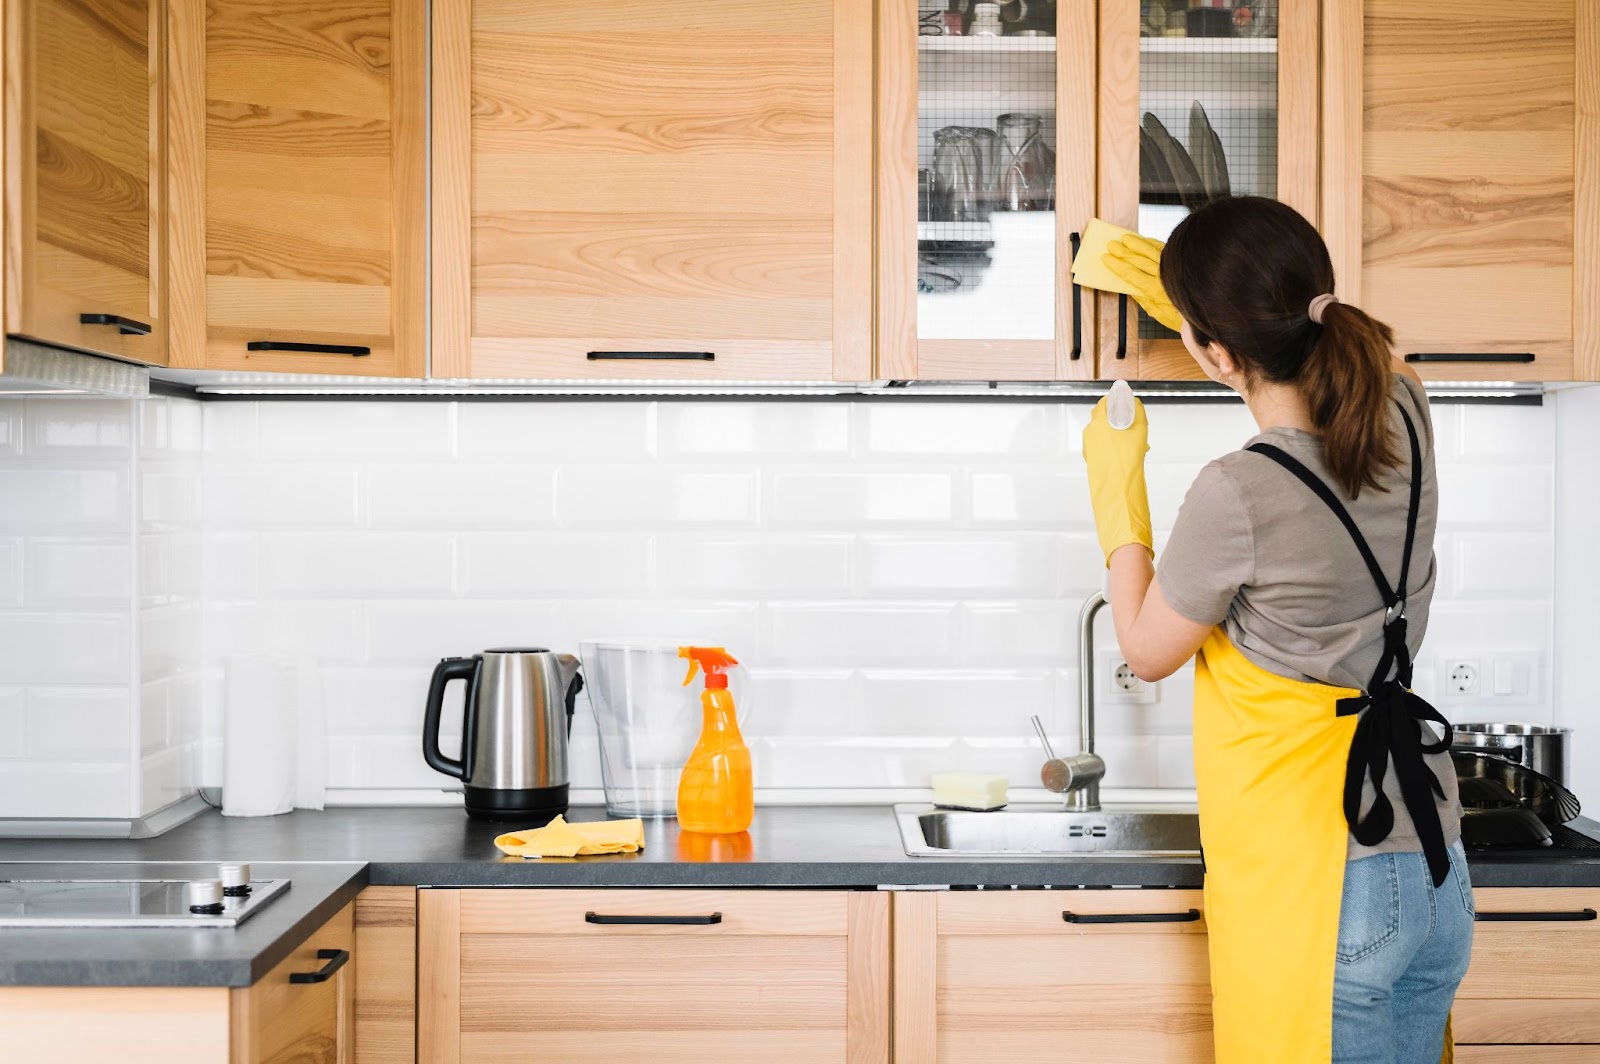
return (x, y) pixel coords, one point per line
(652, 190)
(986, 163)
(314, 188)
(1196, 103)
(84, 193)
(1468, 181)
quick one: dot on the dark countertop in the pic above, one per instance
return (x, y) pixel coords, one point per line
(153, 957)
(787, 847)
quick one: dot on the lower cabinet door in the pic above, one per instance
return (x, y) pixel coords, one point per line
(667, 976)
(1527, 1054)
(303, 1011)
(1114, 977)
(1535, 975)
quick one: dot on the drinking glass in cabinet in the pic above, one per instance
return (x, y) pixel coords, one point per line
(986, 113)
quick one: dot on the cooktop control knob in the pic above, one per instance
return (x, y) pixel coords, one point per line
(205, 897)
(235, 879)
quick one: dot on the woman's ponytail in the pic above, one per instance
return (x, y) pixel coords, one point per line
(1255, 277)
(1346, 381)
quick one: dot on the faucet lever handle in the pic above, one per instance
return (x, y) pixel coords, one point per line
(1038, 726)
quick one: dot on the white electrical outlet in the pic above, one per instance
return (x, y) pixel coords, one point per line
(1118, 683)
(1462, 677)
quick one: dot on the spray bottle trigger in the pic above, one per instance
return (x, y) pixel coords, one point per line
(694, 667)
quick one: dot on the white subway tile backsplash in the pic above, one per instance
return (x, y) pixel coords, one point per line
(347, 432)
(818, 499)
(78, 573)
(229, 566)
(460, 496)
(170, 568)
(1496, 496)
(13, 715)
(1168, 485)
(856, 633)
(43, 498)
(281, 497)
(800, 702)
(381, 700)
(698, 566)
(425, 631)
(79, 427)
(992, 566)
(330, 631)
(1194, 435)
(946, 701)
(170, 425)
(72, 648)
(79, 723)
(922, 430)
(169, 496)
(691, 430)
(1504, 434)
(1499, 565)
(10, 427)
(66, 790)
(167, 638)
(849, 763)
(165, 777)
(11, 555)
(230, 430)
(512, 432)
(1031, 498)
(601, 497)
(553, 565)
(343, 564)
(735, 625)
(1020, 633)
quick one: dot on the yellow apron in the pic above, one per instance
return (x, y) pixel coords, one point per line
(1270, 763)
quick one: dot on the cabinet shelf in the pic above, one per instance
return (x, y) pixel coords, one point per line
(1208, 45)
(986, 44)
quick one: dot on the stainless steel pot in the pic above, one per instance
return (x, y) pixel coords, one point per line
(1541, 747)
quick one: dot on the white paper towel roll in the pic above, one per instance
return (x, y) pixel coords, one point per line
(274, 736)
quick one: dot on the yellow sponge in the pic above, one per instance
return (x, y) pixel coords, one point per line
(1087, 269)
(977, 791)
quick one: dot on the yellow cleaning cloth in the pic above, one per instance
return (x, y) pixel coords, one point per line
(561, 839)
(1088, 269)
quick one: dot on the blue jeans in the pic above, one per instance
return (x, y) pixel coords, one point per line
(1403, 949)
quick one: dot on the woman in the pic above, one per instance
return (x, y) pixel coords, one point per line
(1299, 575)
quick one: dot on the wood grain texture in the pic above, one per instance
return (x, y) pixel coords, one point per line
(1468, 181)
(1568, 954)
(279, 1022)
(5, 242)
(707, 177)
(14, 117)
(916, 976)
(135, 1025)
(1342, 99)
(991, 360)
(1528, 1054)
(85, 146)
(1077, 123)
(896, 229)
(868, 1008)
(1522, 1021)
(1300, 106)
(744, 913)
(439, 977)
(315, 134)
(737, 359)
(1586, 192)
(450, 245)
(185, 311)
(852, 122)
(386, 976)
(1118, 147)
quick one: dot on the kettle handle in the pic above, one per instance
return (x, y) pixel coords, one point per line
(447, 670)
(572, 699)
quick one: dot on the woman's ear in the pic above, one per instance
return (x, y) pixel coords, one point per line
(1226, 366)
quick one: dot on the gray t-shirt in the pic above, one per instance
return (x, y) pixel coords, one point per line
(1253, 549)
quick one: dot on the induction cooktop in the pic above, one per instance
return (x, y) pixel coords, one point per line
(132, 903)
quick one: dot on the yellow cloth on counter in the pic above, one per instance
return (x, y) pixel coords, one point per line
(561, 839)
(1088, 267)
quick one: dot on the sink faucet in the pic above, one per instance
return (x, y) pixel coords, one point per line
(1078, 777)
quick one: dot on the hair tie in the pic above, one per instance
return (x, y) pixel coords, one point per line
(1320, 304)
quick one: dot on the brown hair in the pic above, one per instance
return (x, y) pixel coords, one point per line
(1243, 272)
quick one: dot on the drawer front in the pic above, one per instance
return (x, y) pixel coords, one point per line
(1535, 978)
(283, 1021)
(1528, 1055)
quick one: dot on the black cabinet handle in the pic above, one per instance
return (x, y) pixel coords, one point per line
(336, 958)
(125, 326)
(1521, 357)
(653, 356)
(1077, 305)
(1575, 917)
(1189, 917)
(598, 918)
(352, 350)
(1122, 325)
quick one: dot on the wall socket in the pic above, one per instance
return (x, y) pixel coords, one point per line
(1462, 677)
(1506, 676)
(1115, 682)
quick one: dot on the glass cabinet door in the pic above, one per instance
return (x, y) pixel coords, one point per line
(986, 172)
(1199, 99)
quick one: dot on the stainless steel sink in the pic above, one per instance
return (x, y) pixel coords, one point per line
(1050, 830)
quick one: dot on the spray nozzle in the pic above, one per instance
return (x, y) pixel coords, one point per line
(715, 660)
(1120, 409)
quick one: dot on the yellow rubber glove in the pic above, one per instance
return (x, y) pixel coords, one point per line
(1116, 479)
(1136, 260)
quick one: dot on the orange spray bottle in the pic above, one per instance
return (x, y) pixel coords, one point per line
(716, 793)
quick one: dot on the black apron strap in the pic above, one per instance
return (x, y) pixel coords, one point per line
(1390, 714)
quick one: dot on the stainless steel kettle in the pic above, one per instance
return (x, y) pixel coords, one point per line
(518, 716)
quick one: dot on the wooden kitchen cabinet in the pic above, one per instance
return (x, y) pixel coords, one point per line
(670, 976)
(302, 186)
(85, 192)
(280, 1020)
(654, 191)
(1535, 978)
(1462, 180)
(993, 977)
